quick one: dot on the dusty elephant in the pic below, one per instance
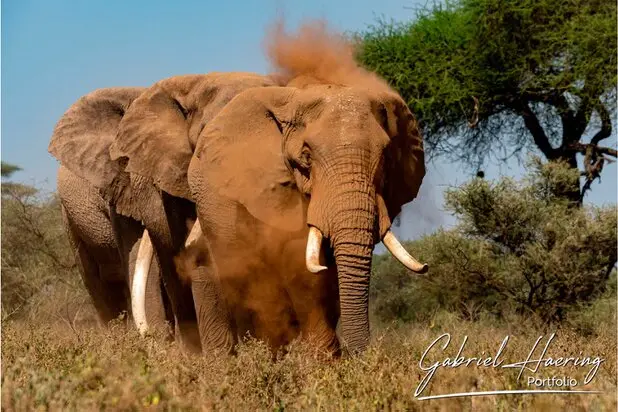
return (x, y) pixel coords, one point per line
(174, 111)
(294, 186)
(106, 244)
(328, 163)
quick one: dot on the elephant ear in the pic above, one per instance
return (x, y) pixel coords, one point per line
(404, 161)
(239, 156)
(83, 135)
(153, 141)
(157, 136)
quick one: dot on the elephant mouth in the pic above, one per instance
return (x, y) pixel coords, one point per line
(393, 245)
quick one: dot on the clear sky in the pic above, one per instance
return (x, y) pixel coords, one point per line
(53, 52)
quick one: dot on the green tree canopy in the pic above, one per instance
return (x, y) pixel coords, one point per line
(496, 77)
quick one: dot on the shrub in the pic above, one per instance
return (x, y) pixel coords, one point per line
(39, 275)
(517, 247)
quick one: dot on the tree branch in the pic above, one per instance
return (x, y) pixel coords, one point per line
(555, 98)
(535, 128)
(552, 97)
(593, 153)
(582, 147)
(585, 108)
(606, 124)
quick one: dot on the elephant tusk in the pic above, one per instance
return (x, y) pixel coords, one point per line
(195, 233)
(397, 250)
(312, 254)
(140, 278)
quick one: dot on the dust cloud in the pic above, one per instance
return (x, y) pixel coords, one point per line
(316, 55)
(254, 269)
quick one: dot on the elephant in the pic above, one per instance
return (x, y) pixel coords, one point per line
(294, 185)
(326, 163)
(86, 141)
(105, 244)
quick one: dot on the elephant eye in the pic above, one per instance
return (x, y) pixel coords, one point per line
(272, 117)
(305, 158)
(301, 165)
(383, 117)
(180, 108)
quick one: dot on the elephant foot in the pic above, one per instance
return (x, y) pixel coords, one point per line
(325, 346)
(189, 337)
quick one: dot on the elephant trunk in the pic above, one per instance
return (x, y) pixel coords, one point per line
(352, 239)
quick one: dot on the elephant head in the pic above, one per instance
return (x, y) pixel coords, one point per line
(354, 153)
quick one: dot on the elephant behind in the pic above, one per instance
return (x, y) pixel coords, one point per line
(105, 243)
(124, 200)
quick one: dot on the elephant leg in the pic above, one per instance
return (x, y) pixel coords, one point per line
(129, 233)
(315, 298)
(215, 322)
(320, 329)
(167, 225)
(216, 327)
(109, 297)
(318, 315)
(181, 302)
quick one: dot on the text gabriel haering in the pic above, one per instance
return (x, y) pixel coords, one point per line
(531, 364)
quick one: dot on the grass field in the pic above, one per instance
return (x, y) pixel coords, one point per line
(65, 363)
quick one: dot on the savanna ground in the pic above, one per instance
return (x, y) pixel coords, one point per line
(49, 365)
(55, 357)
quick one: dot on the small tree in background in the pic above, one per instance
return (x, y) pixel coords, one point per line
(36, 257)
(518, 247)
(9, 188)
(8, 169)
(497, 77)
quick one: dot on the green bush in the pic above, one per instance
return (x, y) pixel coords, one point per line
(517, 248)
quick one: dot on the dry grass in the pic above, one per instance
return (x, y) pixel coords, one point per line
(50, 366)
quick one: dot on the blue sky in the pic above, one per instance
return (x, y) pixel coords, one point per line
(53, 52)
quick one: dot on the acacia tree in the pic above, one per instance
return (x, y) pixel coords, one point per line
(496, 77)
(11, 188)
(7, 169)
